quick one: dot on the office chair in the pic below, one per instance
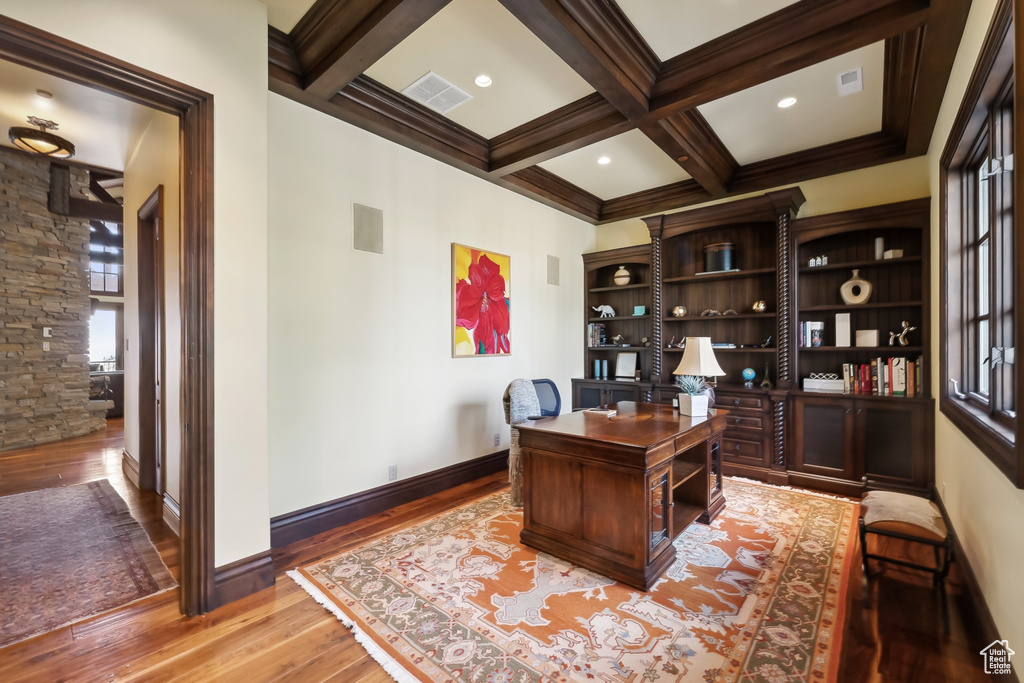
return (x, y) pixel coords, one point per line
(547, 394)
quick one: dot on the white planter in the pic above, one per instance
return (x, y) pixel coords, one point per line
(694, 406)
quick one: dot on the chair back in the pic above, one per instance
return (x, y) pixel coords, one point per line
(547, 393)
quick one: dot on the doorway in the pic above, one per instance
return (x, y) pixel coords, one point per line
(51, 54)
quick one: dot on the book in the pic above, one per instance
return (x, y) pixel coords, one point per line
(607, 412)
(817, 333)
(911, 388)
(899, 378)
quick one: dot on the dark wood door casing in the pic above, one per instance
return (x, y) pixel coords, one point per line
(152, 364)
(31, 47)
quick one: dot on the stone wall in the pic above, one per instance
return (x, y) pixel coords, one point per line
(44, 261)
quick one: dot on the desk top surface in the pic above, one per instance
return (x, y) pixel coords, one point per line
(634, 424)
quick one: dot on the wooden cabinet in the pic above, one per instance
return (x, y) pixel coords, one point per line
(747, 442)
(587, 393)
(838, 441)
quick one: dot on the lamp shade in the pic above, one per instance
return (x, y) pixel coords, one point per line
(40, 141)
(699, 359)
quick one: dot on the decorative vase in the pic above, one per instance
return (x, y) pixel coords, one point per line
(679, 312)
(856, 290)
(694, 406)
(621, 276)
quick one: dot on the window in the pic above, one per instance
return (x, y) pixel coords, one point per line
(106, 259)
(979, 374)
(106, 329)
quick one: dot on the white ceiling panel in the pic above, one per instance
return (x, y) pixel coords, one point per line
(284, 14)
(671, 27)
(100, 126)
(472, 37)
(754, 128)
(636, 164)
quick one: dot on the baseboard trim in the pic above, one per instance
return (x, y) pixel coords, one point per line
(130, 467)
(172, 514)
(989, 630)
(308, 522)
(242, 578)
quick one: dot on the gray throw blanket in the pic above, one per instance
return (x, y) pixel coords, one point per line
(520, 401)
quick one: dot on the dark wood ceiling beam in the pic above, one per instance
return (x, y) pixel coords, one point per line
(555, 191)
(946, 22)
(689, 139)
(838, 157)
(793, 38)
(598, 42)
(664, 198)
(337, 40)
(577, 124)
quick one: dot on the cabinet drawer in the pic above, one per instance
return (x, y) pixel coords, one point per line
(736, 420)
(733, 402)
(740, 450)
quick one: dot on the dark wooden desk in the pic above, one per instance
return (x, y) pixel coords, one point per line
(610, 493)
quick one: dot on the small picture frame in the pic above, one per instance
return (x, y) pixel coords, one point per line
(625, 365)
(639, 310)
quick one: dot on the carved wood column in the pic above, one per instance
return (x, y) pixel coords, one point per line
(654, 225)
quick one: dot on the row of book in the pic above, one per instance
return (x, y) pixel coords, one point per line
(596, 334)
(812, 333)
(883, 377)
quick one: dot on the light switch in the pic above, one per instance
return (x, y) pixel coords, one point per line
(47, 331)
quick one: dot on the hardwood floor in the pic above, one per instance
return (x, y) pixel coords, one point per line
(280, 634)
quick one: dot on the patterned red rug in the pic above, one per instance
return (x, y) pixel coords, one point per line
(756, 596)
(69, 553)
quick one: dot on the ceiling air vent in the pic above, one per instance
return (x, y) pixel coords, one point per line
(436, 93)
(850, 82)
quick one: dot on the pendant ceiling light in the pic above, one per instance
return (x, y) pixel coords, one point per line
(41, 141)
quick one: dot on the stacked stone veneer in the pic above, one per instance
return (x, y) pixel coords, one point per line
(44, 260)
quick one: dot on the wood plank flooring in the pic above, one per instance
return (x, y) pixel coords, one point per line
(280, 634)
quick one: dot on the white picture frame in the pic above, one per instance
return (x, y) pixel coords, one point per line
(625, 364)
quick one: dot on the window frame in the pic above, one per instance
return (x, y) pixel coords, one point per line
(981, 117)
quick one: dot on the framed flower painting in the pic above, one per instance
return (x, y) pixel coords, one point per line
(481, 309)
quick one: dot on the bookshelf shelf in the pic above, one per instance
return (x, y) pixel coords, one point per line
(861, 307)
(863, 264)
(717, 318)
(889, 350)
(619, 288)
(719, 277)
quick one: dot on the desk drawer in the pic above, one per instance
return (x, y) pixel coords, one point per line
(734, 402)
(740, 450)
(736, 420)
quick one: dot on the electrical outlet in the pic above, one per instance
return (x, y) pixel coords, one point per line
(497, 439)
(46, 346)
(392, 472)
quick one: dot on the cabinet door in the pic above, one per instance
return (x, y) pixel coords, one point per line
(587, 394)
(894, 441)
(626, 392)
(824, 437)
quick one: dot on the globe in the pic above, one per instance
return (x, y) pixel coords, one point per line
(748, 374)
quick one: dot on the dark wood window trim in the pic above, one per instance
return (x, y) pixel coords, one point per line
(37, 49)
(990, 96)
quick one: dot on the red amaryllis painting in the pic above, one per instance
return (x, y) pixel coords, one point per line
(482, 302)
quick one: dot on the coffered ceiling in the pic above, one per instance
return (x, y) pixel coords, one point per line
(679, 96)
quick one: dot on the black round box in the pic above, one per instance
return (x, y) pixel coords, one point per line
(719, 256)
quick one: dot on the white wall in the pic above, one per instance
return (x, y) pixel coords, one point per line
(361, 373)
(154, 161)
(984, 506)
(219, 47)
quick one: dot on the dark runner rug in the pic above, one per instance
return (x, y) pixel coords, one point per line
(69, 553)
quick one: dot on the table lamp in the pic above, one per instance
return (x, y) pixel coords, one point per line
(698, 361)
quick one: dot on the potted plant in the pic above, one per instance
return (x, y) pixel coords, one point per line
(693, 399)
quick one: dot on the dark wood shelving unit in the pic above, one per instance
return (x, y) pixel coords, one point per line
(782, 433)
(840, 438)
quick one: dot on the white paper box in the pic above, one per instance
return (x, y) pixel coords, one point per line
(894, 253)
(842, 329)
(867, 337)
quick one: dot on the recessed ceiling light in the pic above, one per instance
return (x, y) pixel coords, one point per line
(604, 161)
(483, 80)
(787, 102)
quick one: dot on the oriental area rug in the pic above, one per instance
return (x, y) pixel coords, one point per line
(68, 553)
(756, 596)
